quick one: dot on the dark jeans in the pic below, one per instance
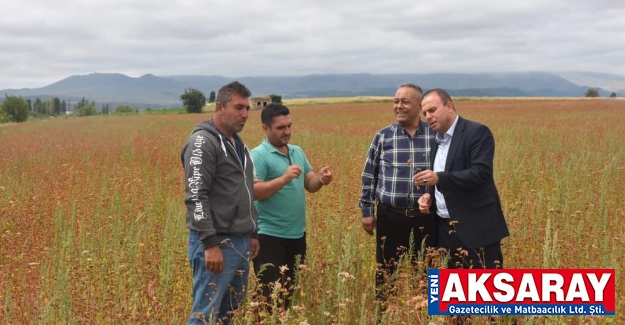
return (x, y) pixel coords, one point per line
(393, 240)
(463, 257)
(274, 253)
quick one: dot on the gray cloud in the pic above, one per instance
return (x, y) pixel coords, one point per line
(43, 41)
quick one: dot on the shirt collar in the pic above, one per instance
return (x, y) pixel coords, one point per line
(401, 130)
(272, 149)
(449, 132)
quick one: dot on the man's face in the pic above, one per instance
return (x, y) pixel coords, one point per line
(439, 116)
(235, 113)
(406, 105)
(279, 132)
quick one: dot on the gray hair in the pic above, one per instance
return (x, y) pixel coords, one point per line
(225, 93)
(415, 87)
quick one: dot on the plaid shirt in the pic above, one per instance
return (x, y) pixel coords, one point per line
(393, 158)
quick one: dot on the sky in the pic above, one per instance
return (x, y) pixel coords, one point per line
(43, 41)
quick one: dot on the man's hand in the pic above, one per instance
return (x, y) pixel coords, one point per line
(254, 248)
(291, 172)
(214, 259)
(425, 202)
(425, 178)
(325, 175)
(368, 224)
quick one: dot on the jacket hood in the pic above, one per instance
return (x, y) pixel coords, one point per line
(208, 125)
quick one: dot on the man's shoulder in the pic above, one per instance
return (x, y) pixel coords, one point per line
(389, 129)
(199, 138)
(471, 125)
(259, 149)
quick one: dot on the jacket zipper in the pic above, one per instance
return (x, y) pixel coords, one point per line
(249, 196)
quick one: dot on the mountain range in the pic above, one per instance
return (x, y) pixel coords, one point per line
(164, 91)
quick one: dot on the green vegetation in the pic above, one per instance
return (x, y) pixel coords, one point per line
(193, 100)
(275, 98)
(592, 92)
(124, 109)
(14, 109)
(86, 110)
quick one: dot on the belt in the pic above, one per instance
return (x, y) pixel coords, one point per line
(410, 213)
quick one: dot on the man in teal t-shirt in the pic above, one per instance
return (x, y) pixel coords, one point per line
(282, 174)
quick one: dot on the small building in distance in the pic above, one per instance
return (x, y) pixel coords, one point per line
(259, 102)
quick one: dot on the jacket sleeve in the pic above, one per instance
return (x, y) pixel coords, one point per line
(478, 164)
(370, 176)
(199, 159)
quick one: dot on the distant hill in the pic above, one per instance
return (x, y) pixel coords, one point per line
(164, 91)
(606, 81)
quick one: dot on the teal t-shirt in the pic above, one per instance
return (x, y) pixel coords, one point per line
(284, 213)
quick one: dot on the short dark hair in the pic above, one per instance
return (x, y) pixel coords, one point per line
(225, 93)
(442, 94)
(272, 110)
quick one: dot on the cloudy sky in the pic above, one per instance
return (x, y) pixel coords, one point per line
(43, 41)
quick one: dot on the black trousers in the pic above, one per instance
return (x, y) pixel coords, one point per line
(276, 252)
(393, 240)
(463, 257)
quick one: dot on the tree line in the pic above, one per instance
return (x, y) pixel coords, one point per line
(17, 109)
(594, 92)
(194, 100)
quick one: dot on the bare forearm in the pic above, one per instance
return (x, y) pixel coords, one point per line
(264, 190)
(314, 183)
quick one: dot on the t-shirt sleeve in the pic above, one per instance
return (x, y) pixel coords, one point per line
(260, 166)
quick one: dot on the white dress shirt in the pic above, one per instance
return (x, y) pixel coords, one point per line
(439, 166)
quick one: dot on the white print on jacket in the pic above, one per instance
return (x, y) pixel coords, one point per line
(195, 181)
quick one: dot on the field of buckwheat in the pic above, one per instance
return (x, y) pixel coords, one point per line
(93, 231)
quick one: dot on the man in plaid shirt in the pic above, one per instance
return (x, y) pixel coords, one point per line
(396, 154)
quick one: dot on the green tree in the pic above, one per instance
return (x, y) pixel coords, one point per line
(38, 107)
(4, 118)
(193, 100)
(276, 98)
(592, 92)
(613, 95)
(123, 109)
(56, 103)
(30, 105)
(63, 107)
(86, 110)
(81, 103)
(49, 107)
(105, 109)
(211, 97)
(15, 108)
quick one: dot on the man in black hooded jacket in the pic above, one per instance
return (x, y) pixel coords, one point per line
(222, 220)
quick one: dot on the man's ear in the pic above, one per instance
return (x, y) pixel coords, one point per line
(450, 106)
(265, 128)
(219, 108)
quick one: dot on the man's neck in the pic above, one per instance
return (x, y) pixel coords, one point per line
(221, 129)
(411, 127)
(283, 149)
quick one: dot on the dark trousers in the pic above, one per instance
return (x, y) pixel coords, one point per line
(393, 240)
(276, 252)
(463, 257)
